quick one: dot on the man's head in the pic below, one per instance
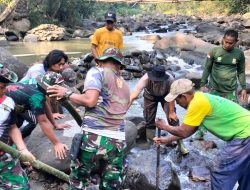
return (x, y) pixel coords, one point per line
(50, 78)
(230, 39)
(158, 73)
(110, 18)
(182, 91)
(55, 61)
(6, 76)
(113, 56)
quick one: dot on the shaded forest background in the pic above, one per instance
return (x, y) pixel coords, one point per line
(72, 12)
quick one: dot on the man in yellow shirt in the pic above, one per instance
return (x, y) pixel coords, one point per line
(107, 36)
(223, 118)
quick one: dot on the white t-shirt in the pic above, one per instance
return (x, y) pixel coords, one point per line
(34, 71)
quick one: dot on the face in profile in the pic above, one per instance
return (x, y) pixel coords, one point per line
(2, 89)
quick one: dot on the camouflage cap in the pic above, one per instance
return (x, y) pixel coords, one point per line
(178, 87)
(113, 53)
(50, 78)
(7, 75)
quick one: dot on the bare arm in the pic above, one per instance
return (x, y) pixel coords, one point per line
(46, 126)
(88, 99)
(16, 137)
(138, 88)
(182, 131)
(94, 51)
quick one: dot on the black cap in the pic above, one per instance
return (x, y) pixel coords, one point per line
(110, 16)
(158, 73)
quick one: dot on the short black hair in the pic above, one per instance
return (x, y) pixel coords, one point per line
(4, 80)
(232, 33)
(53, 58)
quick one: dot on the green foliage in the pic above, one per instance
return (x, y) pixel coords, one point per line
(71, 13)
(239, 6)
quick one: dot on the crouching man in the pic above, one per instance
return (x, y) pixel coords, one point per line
(223, 118)
(12, 176)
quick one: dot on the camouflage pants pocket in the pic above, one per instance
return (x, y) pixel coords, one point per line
(12, 176)
(94, 149)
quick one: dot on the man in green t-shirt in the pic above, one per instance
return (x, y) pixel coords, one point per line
(223, 118)
(224, 66)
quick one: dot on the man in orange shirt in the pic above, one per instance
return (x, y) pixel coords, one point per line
(107, 36)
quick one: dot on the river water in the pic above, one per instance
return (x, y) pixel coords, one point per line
(30, 52)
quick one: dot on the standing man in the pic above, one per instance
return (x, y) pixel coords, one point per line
(12, 176)
(225, 65)
(32, 97)
(107, 36)
(156, 85)
(223, 118)
(106, 98)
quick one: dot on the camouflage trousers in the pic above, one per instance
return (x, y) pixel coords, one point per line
(98, 151)
(12, 176)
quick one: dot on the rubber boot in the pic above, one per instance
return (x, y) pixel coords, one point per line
(181, 147)
(150, 134)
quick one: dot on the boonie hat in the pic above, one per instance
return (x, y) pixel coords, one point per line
(110, 16)
(158, 73)
(7, 75)
(178, 87)
(113, 53)
(50, 78)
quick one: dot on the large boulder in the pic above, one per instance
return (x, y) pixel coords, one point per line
(31, 38)
(49, 32)
(11, 62)
(183, 42)
(247, 55)
(43, 150)
(22, 25)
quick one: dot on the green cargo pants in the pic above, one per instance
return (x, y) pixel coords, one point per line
(96, 148)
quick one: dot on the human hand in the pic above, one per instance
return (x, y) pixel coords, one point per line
(161, 140)
(172, 116)
(160, 123)
(243, 95)
(58, 116)
(56, 91)
(61, 150)
(27, 153)
(62, 126)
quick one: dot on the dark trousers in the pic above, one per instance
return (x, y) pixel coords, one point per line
(233, 165)
(30, 118)
(150, 108)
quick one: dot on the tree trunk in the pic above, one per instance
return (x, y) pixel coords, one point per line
(8, 10)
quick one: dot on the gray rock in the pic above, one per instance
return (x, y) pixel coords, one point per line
(22, 25)
(12, 63)
(3, 41)
(31, 38)
(246, 23)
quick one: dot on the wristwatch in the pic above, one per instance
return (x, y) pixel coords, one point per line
(68, 94)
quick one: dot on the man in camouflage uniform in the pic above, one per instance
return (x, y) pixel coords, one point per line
(12, 176)
(225, 65)
(106, 98)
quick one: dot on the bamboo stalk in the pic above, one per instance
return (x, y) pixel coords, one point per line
(35, 163)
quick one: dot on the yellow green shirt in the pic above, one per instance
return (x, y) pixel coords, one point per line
(223, 118)
(103, 39)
